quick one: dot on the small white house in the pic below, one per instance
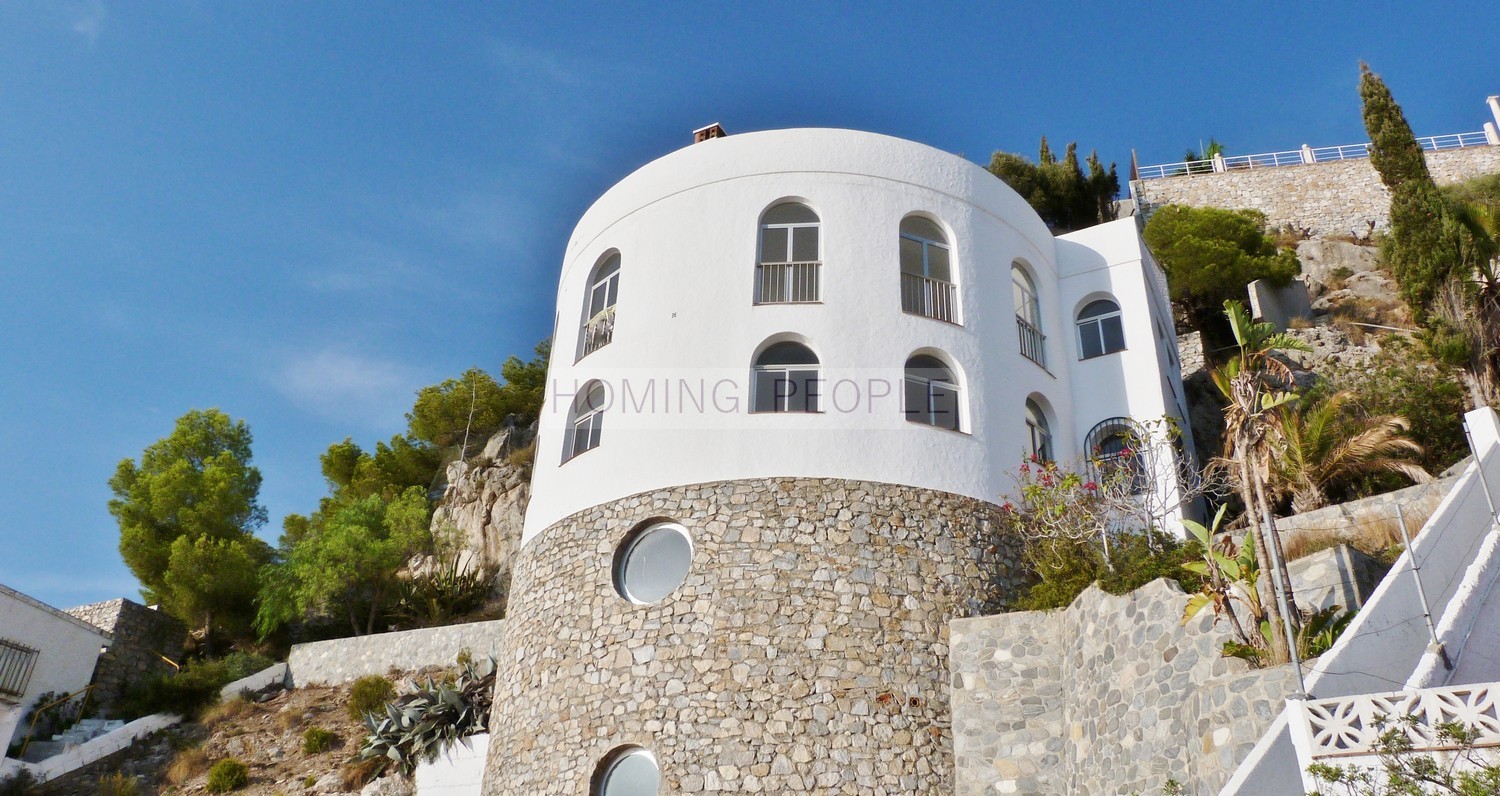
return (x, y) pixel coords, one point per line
(41, 649)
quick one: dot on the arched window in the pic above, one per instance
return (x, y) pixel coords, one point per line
(787, 379)
(926, 271)
(627, 771)
(599, 313)
(1116, 450)
(586, 419)
(1038, 433)
(1028, 315)
(1099, 329)
(931, 393)
(790, 256)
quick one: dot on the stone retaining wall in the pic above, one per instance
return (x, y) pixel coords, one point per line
(806, 652)
(1343, 197)
(1416, 504)
(142, 637)
(1110, 695)
(342, 660)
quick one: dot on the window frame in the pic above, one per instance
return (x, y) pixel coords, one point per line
(611, 761)
(604, 285)
(590, 420)
(1039, 436)
(627, 547)
(788, 371)
(1031, 339)
(933, 390)
(792, 281)
(1094, 325)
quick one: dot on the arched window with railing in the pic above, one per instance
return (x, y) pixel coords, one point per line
(932, 394)
(927, 286)
(1028, 315)
(788, 268)
(1038, 432)
(787, 378)
(599, 305)
(1100, 330)
(586, 419)
(1116, 452)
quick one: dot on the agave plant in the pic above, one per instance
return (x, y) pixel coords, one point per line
(417, 727)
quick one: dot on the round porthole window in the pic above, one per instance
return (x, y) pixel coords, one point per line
(652, 562)
(628, 772)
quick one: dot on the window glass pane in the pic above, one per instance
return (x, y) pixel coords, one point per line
(656, 564)
(929, 367)
(773, 245)
(635, 774)
(765, 390)
(937, 263)
(911, 257)
(1096, 308)
(790, 213)
(916, 400)
(945, 407)
(614, 290)
(1088, 338)
(805, 244)
(804, 398)
(598, 299)
(1114, 334)
(787, 354)
(923, 228)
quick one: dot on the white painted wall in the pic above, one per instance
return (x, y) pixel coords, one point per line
(458, 771)
(686, 226)
(68, 649)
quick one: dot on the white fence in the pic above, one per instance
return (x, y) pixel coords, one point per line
(1299, 157)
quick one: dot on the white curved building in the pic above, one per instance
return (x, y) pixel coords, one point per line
(792, 372)
(694, 293)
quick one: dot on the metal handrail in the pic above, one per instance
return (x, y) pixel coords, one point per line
(788, 283)
(932, 298)
(1299, 157)
(36, 714)
(1032, 341)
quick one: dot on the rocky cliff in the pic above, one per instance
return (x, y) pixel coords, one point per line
(484, 502)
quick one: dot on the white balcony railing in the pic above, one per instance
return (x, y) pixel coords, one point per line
(933, 298)
(788, 283)
(1298, 157)
(1032, 341)
(598, 331)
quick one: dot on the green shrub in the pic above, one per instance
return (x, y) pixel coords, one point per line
(21, 783)
(118, 784)
(227, 775)
(446, 591)
(1066, 568)
(317, 739)
(417, 726)
(370, 694)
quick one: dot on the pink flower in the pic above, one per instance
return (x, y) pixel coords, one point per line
(1091, 486)
(1025, 468)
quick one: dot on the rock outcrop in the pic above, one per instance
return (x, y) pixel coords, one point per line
(485, 499)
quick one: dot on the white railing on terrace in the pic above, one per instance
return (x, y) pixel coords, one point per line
(933, 298)
(787, 283)
(1299, 157)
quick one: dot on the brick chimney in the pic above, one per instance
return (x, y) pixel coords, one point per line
(712, 131)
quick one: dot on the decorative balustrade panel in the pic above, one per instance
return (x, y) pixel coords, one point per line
(16, 663)
(1352, 726)
(1032, 342)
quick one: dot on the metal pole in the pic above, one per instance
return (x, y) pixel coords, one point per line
(1416, 574)
(1479, 463)
(1286, 607)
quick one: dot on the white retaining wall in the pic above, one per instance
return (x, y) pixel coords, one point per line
(459, 771)
(345, 659)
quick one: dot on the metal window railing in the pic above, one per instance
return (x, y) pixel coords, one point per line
(933, 298)
(599, 330)
(1032, 341)
(16, 663)
(1298, 157)
(788, 283)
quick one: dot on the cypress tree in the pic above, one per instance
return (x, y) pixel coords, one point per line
(1394, 151)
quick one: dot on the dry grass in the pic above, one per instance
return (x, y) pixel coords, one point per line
(187, 764)
(228, 709)
(1377, 536)
(357, 773)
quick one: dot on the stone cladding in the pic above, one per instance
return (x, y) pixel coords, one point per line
(1342, 197)
(1109, 695)
(806, 652)
(142, 636)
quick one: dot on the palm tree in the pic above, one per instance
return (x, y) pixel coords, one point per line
(1256, 385)
(1318, 447)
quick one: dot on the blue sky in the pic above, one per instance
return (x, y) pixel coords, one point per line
(301, 213)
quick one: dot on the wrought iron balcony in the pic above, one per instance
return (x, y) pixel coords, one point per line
(788, 283)
(1032, 341)
(599, 331)
(933, 298)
